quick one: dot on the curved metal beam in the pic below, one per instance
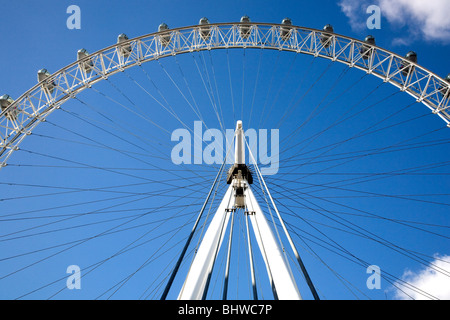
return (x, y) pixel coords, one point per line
(19, 118)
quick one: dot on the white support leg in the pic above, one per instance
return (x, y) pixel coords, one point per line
(201, 268)
(277, 267)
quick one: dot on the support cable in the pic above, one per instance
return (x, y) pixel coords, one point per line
(180, 259)
(302, 266)
(227, 268)
(250, 254)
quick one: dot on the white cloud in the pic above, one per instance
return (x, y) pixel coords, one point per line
(429, 19)
(355, 10)
(433, 280)
(401, 42)
(423, 19)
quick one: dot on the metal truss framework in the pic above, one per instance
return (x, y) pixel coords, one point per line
(19, 118)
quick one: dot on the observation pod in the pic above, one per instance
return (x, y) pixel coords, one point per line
(124, 50)
(244, 29)
(164, 38)
(286, 29)
(406, 67)
(87, 64)
(205, 29)
(445, 90)
(5, 102)
(42, 76)
(365, 49)
(326, 36)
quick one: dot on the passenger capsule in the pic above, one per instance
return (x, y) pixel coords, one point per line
(86, 65)
(369, 41)
(445, 89)
(286, 29)
(245, 29)
(124, 50)
(406, 67)
(5, 102)
(205, 30)
(42, 76)
(165, 37)
(325, 36)
(412, 56)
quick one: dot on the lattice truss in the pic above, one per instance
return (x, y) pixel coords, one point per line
(19, 117)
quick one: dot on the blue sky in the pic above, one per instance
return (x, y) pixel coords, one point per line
(387, 208)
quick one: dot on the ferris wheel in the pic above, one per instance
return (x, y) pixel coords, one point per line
(225, 161)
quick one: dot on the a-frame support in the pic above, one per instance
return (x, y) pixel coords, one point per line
(239, 195)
